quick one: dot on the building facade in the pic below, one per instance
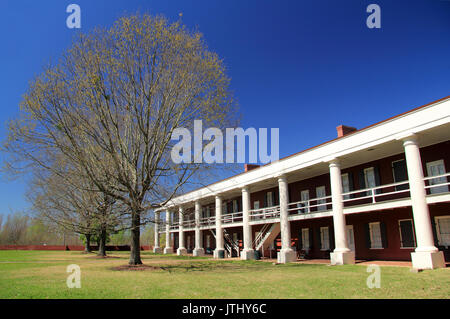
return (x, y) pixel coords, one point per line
(378, 193)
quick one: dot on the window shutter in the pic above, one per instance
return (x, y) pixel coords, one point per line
(275, 195)
(376, 172)
(239, 204)
(265, 200)
(435, 237)
(367, 233)
(311, 239)
(383, 230)
(350, 183)
(300, 239)
(331, 236)
(362, 183)
(319, 238)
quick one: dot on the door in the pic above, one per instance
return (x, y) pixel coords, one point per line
(350, 237)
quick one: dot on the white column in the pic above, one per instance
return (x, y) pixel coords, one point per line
(168, 249)
(219, 230)
(342, 254)
(198, 250)
(181, 249)
(156, 248)
(426, 255)
(287, 254)
(247, 252)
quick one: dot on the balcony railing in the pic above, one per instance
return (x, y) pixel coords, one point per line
(314, 205)
(232, 218)
(437, 184)
(208, 221)
(265, 213)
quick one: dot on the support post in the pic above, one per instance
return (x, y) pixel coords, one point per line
(168, 249)
(342, 254)
(198, 250)
(181, 249)
(219, 252)
(426, 255)
(287, 254)
(248, 252)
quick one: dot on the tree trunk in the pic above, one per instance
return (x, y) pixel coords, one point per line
(135, 255)
(102, 243)
(87, 245)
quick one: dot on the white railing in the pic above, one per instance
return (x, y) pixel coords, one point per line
(208, 221)
(232, 218)
(174, 225)
(265, 213)
(312, 205)
(437, 184)
(376, 193)
(261, 235)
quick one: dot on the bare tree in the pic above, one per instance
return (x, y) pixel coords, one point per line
(111, 104)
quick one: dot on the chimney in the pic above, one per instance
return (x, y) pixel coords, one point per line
(343, 130)
(249, 167)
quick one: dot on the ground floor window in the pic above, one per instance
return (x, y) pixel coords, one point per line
(375, 235)
(305, 239)
(324, 238)
(407, 239)
(443, 230)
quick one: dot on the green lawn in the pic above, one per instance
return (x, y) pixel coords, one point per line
(42, 274)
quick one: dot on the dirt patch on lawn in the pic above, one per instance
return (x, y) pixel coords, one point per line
(103, 257)
(136, 268)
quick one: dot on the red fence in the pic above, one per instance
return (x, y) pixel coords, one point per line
(69, 247)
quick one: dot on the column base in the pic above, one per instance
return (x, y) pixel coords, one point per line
(157, 250)
(181, 251)
(168, 250)
(428, 260)
(342, 258)
(219, 253)
(198, 252)
(248, 254)
(287, 256)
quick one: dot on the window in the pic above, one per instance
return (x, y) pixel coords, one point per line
(208, 211)
(437, 168)
(345, 185)
(400, 174)
(324, 238)
(304, 202)
(350, 237)
(369, 178)
(235, 206)
(320, 192)
(407, 239)
(256, 204)
(375, 236)
(269, 198)
(443, 230)
(305, 239)
(208, 241)
(224, 208)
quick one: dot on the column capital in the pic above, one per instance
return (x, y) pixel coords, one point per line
(334, 162)
(218, 196)
(411, 139)
(245, 188)
(281, 177)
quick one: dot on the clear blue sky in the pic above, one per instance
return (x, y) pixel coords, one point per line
(302, 66)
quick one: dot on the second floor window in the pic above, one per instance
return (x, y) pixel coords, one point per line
(400, 174)
(321, 193)
(345, 185)
(437, 168)
(304, 202)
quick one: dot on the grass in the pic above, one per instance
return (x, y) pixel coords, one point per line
(42, 274)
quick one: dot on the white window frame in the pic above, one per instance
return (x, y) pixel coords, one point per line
(369, 183)
(321, 201)
(371, 227)
(413, 232)
(322, 240)
(437, 189)
(306, 245)
(438, 231)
